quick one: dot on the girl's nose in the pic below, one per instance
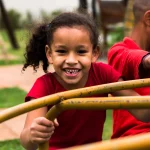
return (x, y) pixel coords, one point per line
(71, 59)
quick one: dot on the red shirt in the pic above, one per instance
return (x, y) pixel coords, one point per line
(126, 58)
(76, 127)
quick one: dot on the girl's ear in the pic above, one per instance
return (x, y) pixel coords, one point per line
(96, 54)
(48, 54)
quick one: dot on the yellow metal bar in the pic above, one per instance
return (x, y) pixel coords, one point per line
(53, 114)
(136, 142)
(56, 98)
(128, 102)
(96, 104)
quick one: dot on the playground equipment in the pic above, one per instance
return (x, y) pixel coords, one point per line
(80, 103)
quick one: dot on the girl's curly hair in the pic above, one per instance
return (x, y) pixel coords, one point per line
(35, 49)
(43, 35)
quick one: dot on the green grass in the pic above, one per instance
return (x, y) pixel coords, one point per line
(10, 62)
(11, 96)
(107, 132)
(11, 145)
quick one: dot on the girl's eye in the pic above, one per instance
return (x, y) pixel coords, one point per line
(82, 51)
(61, 51)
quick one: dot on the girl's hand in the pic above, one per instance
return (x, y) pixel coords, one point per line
(41, 130)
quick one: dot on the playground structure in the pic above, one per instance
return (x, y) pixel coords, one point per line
(63, 101)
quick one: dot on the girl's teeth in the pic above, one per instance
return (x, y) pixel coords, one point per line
(71, 71)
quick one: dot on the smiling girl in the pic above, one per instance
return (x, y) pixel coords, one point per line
(70, 44)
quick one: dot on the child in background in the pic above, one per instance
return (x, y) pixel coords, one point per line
(70, 44)
(131, 57)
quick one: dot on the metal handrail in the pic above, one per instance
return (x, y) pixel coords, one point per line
(82, 92)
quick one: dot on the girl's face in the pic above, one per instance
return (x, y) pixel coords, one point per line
(71, 54)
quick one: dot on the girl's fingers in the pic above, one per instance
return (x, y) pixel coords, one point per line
(44, 121)
(41, 135)
(43, 129)
(40, 140)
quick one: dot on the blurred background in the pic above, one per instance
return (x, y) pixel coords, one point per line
(114, 20)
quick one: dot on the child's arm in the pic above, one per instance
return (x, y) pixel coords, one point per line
(146, 62)
(140, 114)
(37, 129)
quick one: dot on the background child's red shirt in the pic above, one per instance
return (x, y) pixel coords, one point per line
(126, 58)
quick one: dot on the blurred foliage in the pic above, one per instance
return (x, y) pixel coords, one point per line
(22, 30)
(24, 25)
(46, 17)
(55, 13)
(10, 62)
(14, 18)
(116, 35)
(18, 56)
(28, 21)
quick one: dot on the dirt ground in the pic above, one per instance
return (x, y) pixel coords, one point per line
(12, 76)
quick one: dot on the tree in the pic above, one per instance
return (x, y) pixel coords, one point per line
(14, 19)
(28, 21)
